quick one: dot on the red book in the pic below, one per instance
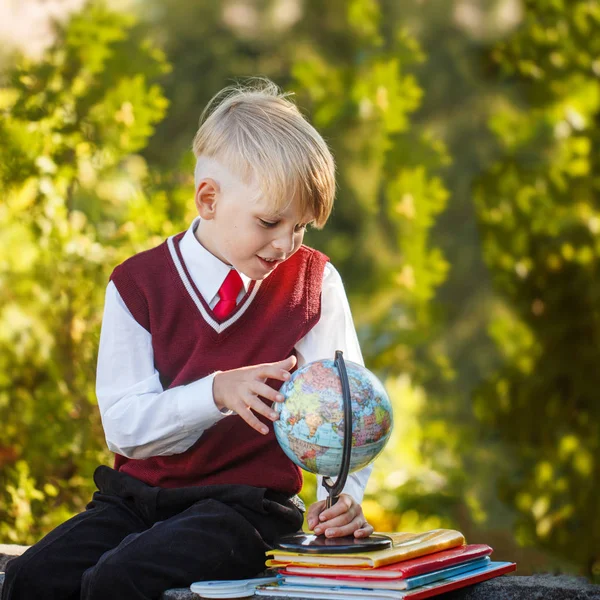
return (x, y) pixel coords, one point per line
(398, 570)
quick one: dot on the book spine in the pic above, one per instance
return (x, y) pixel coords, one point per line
(434, 590)
(413, 582)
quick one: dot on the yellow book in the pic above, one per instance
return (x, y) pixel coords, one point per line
(404, 546)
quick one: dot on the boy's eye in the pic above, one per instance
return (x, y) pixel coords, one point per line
(267, 223)
(271, 224)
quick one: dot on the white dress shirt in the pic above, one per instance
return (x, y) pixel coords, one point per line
(141, 419)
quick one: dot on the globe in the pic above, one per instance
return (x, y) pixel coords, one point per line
(310, 429)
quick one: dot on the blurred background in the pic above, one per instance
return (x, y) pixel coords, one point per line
(466, 229)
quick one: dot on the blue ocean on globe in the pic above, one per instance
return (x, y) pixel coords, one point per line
(310, 429)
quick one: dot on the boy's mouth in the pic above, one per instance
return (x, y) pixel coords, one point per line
(269, 262)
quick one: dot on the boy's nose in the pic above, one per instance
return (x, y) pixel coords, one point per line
(284, 243)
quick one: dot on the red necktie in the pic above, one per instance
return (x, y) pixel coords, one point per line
(228, 293)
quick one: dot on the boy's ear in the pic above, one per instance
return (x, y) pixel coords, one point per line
(207, 194)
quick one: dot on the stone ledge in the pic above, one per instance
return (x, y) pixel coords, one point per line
(507, 587)
(8, 551)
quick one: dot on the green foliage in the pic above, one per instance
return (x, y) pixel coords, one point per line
(416, 107)
(539, 215)
(354, 76)
(556, 41)
(78, 201)
(361, 96)
(69, 126)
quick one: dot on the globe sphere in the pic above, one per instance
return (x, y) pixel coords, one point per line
(310, 429)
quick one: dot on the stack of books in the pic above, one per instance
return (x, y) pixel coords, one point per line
(417, 566)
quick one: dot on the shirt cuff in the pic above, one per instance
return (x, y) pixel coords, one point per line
(197, 405)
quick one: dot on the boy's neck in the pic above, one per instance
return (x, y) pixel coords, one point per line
(203, 239)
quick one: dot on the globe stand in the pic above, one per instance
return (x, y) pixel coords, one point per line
(319, 544)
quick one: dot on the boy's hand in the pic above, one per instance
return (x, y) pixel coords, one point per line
(239, 390)
(345, 517)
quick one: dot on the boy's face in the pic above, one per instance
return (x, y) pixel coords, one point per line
(238, 226)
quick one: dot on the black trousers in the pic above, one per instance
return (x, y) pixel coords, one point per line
(135, 541)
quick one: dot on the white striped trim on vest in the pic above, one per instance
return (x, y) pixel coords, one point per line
(218, 327)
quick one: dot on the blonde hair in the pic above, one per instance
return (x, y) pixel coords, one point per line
(261, 136)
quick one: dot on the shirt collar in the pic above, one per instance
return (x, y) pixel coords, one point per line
(206, 270)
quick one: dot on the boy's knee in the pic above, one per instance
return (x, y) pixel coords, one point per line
(22, 579)
(107, 579)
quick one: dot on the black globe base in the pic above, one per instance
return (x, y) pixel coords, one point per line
(307, 543)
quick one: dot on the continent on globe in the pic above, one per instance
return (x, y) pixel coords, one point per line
(308, 453)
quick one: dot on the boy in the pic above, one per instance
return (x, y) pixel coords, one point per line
(197, 337)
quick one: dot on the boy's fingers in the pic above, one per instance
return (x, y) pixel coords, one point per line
(248, 416)
(342, 513)
(365, 531)
(257, 405)
(340, 526)
(343, 505)
(343, 530)
(339, 521)
(312, 516)
(274, 371)
(285, 364)
(267, 392)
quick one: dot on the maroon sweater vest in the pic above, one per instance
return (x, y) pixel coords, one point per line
(285, 308)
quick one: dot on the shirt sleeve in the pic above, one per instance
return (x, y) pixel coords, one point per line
(334, 331)
(139, 417)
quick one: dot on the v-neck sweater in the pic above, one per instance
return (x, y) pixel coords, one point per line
(189, 342)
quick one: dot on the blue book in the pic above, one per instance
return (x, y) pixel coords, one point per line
(231, 588)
